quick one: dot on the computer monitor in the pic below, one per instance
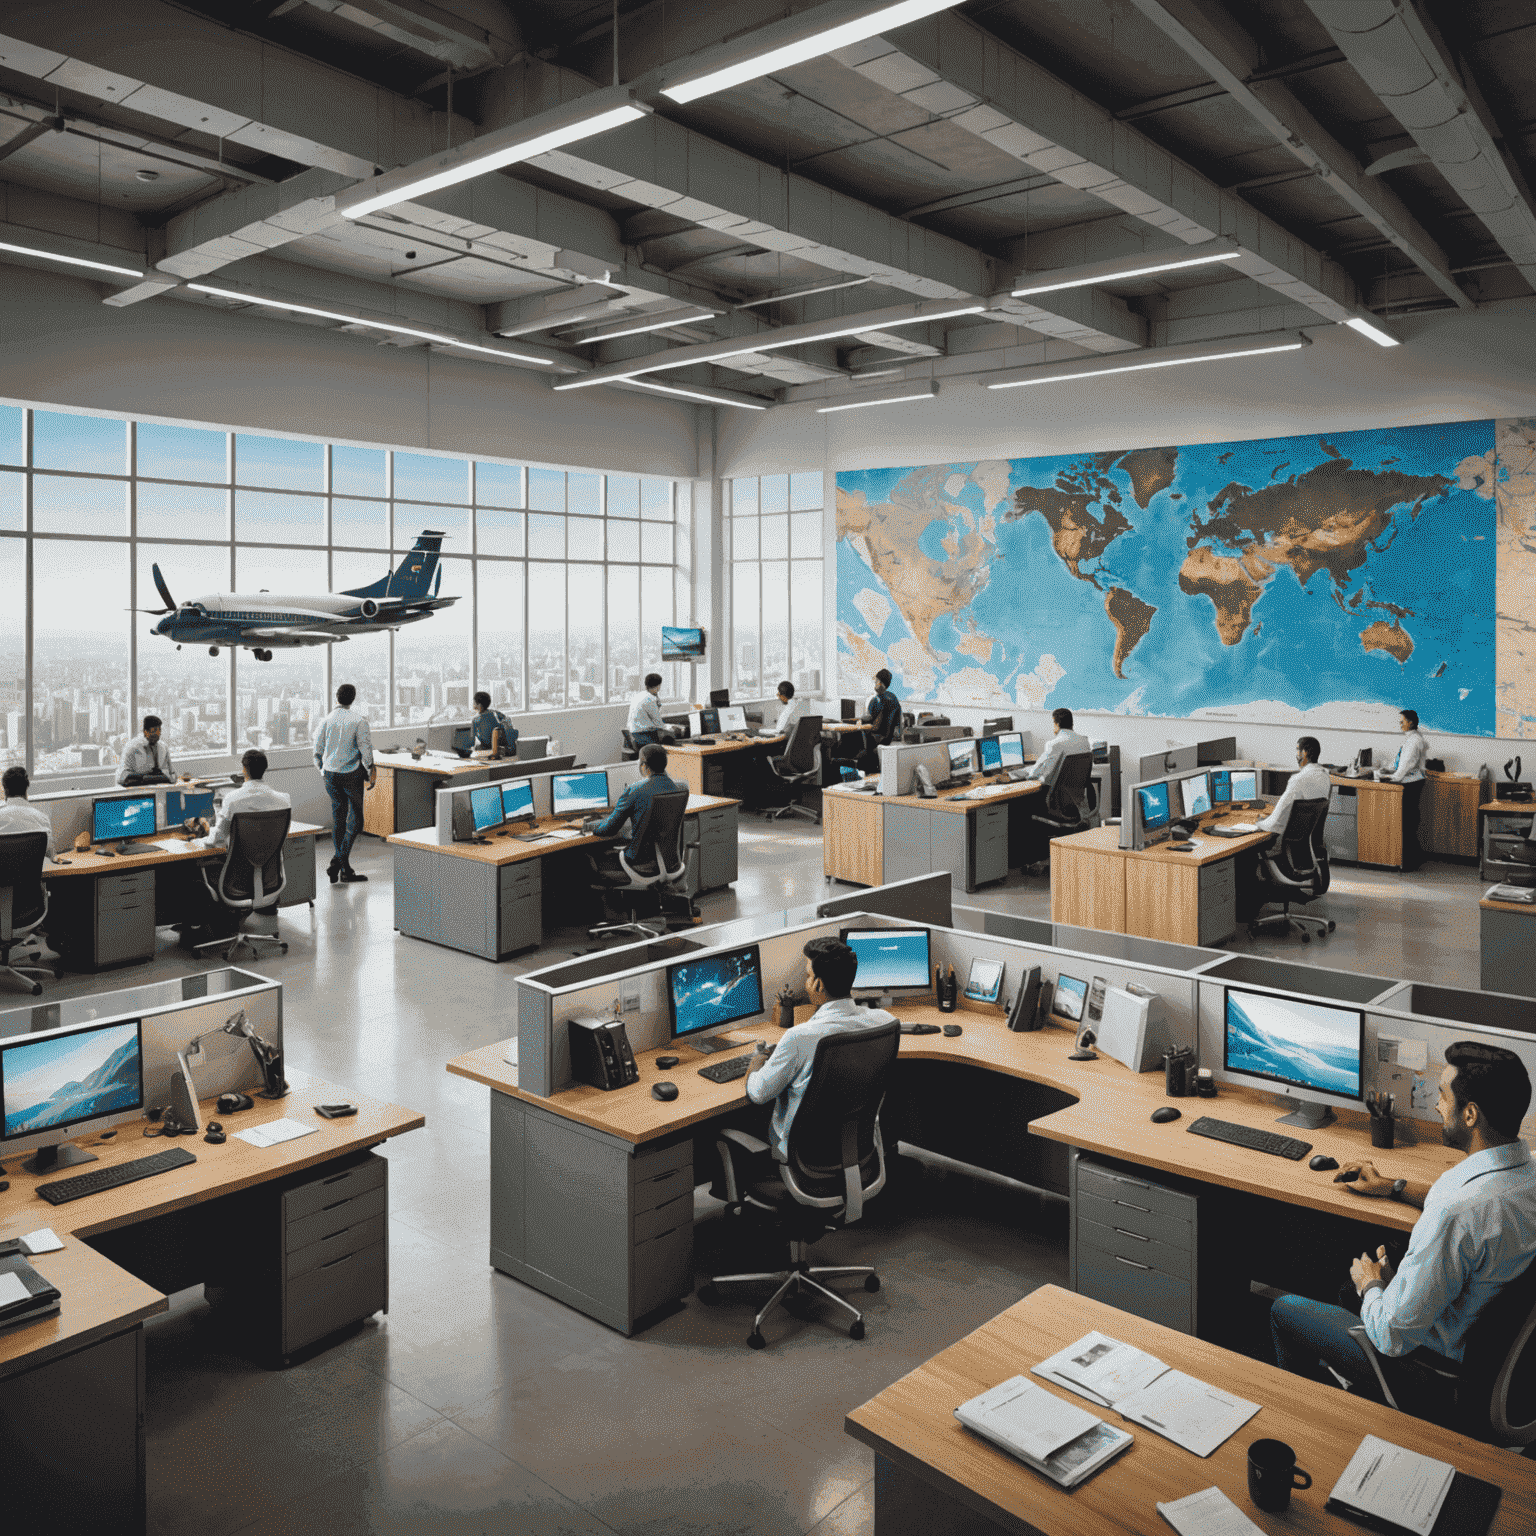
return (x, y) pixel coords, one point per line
(1152, 806)
(849, 708)
(733, 719)
(706, 721)
(485, 807)
(516, 799)
(719, 698)
(84, 1076)
(985, 982)
(182, 803)
(1195, 795)
(577, 793)
(991, 753)
(463, 740)
(890, 960)
(123, 817)
(1011, 746)
(997, 725)
(681, 643)
(1220, 750)
(962, 755)
(1245, 785)
(1221, 787)
(1314, 1051)
(1071, 995)
(713, 992)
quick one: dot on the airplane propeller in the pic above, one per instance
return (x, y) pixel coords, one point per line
(165, 591)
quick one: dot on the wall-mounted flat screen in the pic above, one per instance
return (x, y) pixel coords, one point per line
(679, 643)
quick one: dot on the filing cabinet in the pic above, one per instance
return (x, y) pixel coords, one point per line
(520, 911)
(1341, 831)
(1218, 901)
(124, 918)
(710, 845)
(988, 831)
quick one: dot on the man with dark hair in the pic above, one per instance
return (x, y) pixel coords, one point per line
(634, 806)
(252, 795)
(883, 715)
(18, 814)
(147, 760)
(490, 730)
(783, 1073)
(1309, 782)
(1477, 1233)
(1408, 770)
(645, 725)
(1064, 743)
(344, 754)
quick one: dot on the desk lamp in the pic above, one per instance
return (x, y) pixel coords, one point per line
(268, 1057)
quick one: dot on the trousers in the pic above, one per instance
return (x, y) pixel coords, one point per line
(346, 792)
(1305, 1332)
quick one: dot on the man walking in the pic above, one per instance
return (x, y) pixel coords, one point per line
(344, 754)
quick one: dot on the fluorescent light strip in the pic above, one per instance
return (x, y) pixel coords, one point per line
(1169, 362)
(469, 165)
(859, 405)
(765, 344)
(638, 330)
(690, 394)
(373, 325)
(1099, 279)
(797, 50)
(1380, 337)
(73, 261)
(803, 293)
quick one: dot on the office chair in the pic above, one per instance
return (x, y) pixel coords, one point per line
(1297, 870)
(630, 752)
(880, 736)
(250, 880)
(799, 767)
(1490, 1393)
(836, 1162)
(24, 908)
(654, 865)
(1070, 801)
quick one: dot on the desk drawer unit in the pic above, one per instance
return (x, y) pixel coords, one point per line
(717, 847)
(1341, 831)
(299, 872)
(661, 1216)
(989, 843)
(1218, 901)
(520, 911)
(125, 917)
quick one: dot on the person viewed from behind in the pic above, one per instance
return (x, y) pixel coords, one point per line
(18, 814)
(490, 730)
(344, 754)
(1064, 743)
(884, 709)
(1309, 782)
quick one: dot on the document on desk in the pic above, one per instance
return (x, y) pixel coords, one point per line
(1067, 1444)
(1385, 1482)
(1101, 1369)
(172, 844)
(274, 1132)
(1207, 1513)
(561, 833)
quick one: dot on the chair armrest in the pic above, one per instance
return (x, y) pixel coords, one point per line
(744, 1141)
(1363, 1339)
(723, 1144)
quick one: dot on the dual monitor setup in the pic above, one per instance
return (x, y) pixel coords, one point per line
(492, 806)
(1156, 809)
(706, 722)
(121, 818)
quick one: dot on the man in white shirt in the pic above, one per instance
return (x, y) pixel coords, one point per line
(760, 777)
(147, 760)
(1064, 743)
(790, 711)
(1408, 771)
(1477, 1233)
(344, 754)
(253, 795)
(645, 725)
(18, 814)
(1310, 782)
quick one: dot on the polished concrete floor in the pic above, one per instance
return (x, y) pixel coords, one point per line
(478, 1405)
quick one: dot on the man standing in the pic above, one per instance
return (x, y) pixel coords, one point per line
(645, 725)
(1408, 771)
(344, 754)
(490, 730)
(18, 814)
(1477, 1233)
(147, 760)
(1064, 743)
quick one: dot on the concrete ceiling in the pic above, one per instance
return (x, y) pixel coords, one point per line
(210, 139)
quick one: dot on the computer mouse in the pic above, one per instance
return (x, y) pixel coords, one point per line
(1165, 1114)
(107, 1135)
(664, 1091)
(951, 1030)
(666, 1063)
(215, 1132)
(1322, 1163)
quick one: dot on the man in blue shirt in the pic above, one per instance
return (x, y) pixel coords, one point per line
(1477, 1233)
(344, 754)
(490, 730)
(634, 805)
(883, 712)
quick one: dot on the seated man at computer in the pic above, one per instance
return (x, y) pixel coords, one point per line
(490, 730)
(1477, 1233)
(147, 759)
(645, 725)
(1064, 743)
(883, 716)
(760, 776)
(1309, 782)
(18, 814)
(634, 807)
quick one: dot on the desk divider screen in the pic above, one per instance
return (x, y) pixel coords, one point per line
(620, 777)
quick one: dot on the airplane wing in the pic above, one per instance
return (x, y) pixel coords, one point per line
(293, 636)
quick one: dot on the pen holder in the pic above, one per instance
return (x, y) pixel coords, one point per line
(1381, 1131)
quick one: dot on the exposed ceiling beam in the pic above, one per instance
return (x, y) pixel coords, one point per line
(990, 194)
(1225, 51)
(426, 29)
(33, 130)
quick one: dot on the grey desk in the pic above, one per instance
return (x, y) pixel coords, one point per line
(1507, 947)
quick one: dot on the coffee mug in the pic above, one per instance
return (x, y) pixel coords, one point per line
(1272, 1473)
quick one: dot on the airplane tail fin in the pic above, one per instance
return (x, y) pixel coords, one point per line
(413, 579)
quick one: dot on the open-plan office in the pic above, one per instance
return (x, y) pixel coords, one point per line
(1002, 453)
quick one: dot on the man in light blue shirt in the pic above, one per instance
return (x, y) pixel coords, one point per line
(344, 754)
(1408, 770)
(1477, 1233)
(783, 1073)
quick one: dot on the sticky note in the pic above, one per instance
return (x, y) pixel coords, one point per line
(42, 1241)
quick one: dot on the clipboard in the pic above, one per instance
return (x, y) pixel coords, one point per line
(1468, 1510)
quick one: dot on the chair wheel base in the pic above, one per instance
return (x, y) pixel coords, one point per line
(856, 1330)
(872, 1283)
(709, 1296)
(755, 1340)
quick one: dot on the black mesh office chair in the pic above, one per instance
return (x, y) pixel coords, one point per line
(654, 867)
(1490, 1393)
(250, 880)
(882, 734)
(799, 768)
(629, 752)
(24, 908)
(1069, 802)
(836, 1162)
(1296, 871)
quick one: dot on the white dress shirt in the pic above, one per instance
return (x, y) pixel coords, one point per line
(786, 1074)
(141, 758)
(1064, 744)
(344, 743)
(253, 795)
(18, 814)
(644, 714)
(1309, 783)
(789, 715)
(1477, 1233)
(1409, 767)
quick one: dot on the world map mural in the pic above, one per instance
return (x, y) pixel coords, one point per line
(1284, 578)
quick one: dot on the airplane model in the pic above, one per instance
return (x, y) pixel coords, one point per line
(261, 620)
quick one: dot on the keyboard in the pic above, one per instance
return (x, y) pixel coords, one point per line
(985, 792)
(726, 1071)
(98, 1179)
(1255, 1140)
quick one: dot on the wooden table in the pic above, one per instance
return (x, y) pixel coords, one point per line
(1183, 898)
(1507, 947)
(935, 1478)
(404, 791)
(706, 770)
(93, 1345)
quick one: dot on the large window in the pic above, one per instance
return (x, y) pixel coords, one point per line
(563, 581)
(773, 551)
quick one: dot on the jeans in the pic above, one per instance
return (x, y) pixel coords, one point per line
(346, 792)
(1305, 1332)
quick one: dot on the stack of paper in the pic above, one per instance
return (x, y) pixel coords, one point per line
(1142, 1389)
(1063, 1442)
(1208, 1513)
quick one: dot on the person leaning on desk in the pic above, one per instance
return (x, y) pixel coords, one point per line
(1477, 1233)
(1311, 781)
(147, 760)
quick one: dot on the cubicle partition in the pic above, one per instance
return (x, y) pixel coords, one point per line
(620, 777)
(70, 809)
(923, 899)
